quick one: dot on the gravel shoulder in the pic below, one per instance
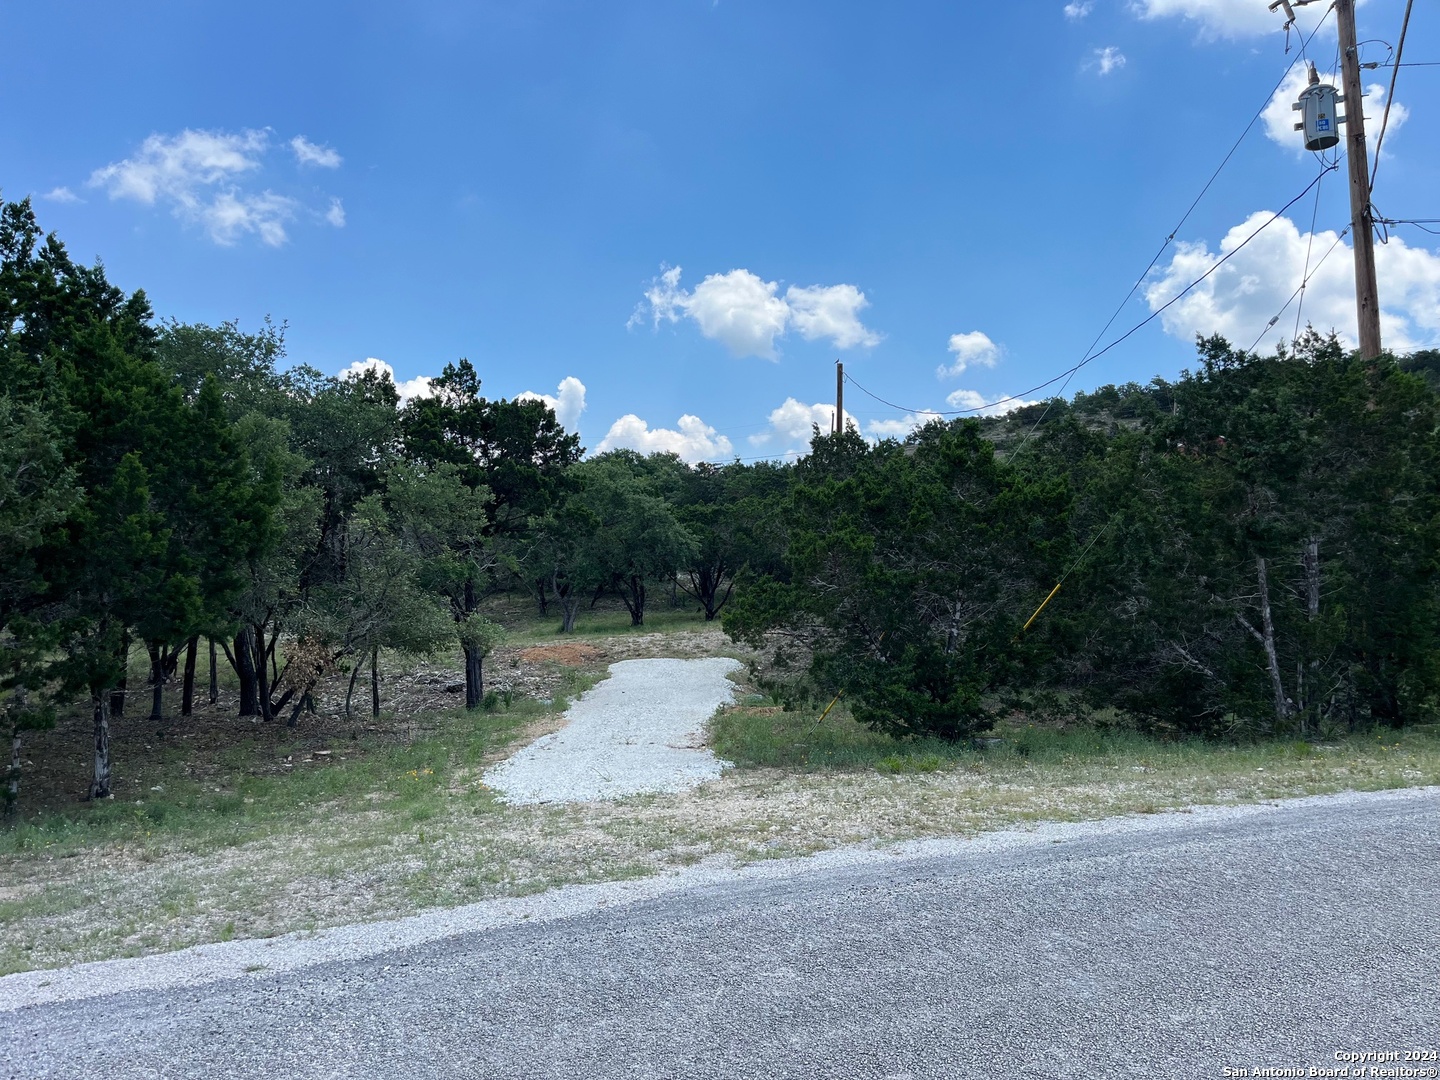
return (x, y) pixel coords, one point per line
(640, 731)
(260, 960)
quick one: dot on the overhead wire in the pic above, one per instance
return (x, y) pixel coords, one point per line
(1169, 239)
(1299, 289)
(1390, 97)
(1309, 245)
(1128, 333)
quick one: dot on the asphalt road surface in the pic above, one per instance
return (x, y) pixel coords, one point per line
(1179, 946)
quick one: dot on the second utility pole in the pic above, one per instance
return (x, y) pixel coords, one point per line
(839, 398)
(1362, 221)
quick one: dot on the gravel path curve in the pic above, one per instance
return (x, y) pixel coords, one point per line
(639, 731)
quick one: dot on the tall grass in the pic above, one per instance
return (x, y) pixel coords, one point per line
(760, 736)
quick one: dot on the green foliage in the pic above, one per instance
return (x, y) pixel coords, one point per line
(1273, 564)
(908, 568)
(480, 635)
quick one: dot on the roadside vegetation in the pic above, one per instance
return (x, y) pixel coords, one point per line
(294, 831)
(262, 628)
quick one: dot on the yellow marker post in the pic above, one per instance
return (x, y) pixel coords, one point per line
(1042, 606)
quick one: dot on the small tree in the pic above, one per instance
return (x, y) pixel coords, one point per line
(478, 637)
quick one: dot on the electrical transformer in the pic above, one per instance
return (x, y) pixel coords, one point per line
(1319, 121)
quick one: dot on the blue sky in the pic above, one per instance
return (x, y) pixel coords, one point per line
(692, 208)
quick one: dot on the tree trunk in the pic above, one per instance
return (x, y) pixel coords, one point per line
(122, 689)
(244, 661)
(637, 609)
(375, 681)
(569, 608)
(350, 692)
(1272, 659)
(214, 676)
(157, 684)
(100, 781)
(1312, 578)
(187, 687)
(262, 674)
(474, 677)
(12, 778)
(542, 597)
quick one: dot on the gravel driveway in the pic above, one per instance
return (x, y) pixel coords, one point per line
(641, 730)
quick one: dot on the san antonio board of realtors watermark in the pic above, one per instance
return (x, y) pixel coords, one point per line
(1352, 1064)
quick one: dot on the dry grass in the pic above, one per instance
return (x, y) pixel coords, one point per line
(280, 837)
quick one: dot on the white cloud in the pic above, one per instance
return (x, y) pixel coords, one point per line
(174, 167)
(567, 403)
(417, 387)
(1240, 297)
(1228, 18)
(198, 175)
(694, 440)
(1078, 9)
(977, 404)
(1107, 60)
(830, 311)
(972, 349)
(901, 427)
(740, 311)
(1280, 118)
(308, 153)
(791, 423)
(744, 312)
(229, 214)
(62, 195)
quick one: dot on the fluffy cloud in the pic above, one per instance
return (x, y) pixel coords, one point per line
(973, 349)
(746, 314)
(229, 214)
(977, 404)
(899, 428)
(62, 195)
(308, 153)
(1228, 18)
(1106, 60)
(411, 388)
(791, 423)
(1078, 9)
(198, 175)
(567, 403)
(1280, 118)
(1240, 297)
(830, 311)
(694, 440)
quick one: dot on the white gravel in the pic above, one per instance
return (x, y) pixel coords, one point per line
(639, 731)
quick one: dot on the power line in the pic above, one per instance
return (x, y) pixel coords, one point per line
(1390, 97)
(1300, 289)
(1305, 274)
(1142, 323)
(1087, 357)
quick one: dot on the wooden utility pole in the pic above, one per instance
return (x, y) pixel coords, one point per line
(1362, 221)
(839, 397)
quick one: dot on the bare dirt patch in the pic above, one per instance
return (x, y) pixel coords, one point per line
(573, 654)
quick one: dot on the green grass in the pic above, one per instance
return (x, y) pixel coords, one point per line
(242, 846)
(757, 736)
(242, 803)
(608, 619)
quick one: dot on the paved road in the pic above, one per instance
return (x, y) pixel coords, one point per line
(1269, 938)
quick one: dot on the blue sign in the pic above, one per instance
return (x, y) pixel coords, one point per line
(1322, 125)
